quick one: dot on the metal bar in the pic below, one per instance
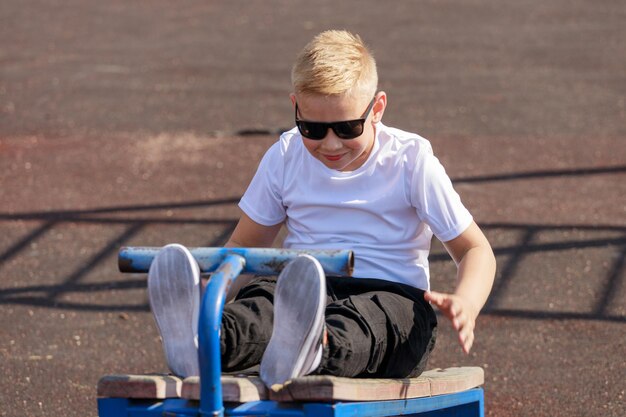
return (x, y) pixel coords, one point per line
(265, 408)
(117, 407)
(262, 261)
(209, 324)
(453, 403)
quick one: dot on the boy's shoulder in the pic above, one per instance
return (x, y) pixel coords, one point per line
(289, 141)
(403, 142)
(403, 136)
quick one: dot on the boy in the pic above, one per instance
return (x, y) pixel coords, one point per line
(340, 179)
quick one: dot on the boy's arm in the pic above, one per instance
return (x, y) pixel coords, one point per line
(250, 234)
(476, 267)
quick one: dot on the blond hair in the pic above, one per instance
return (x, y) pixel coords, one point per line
(335, 62)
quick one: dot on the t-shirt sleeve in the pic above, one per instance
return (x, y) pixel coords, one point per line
(262, 201)
(436, 201)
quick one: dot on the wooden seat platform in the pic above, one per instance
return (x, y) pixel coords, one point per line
(305, 389)
(330, 388)
(148, 386)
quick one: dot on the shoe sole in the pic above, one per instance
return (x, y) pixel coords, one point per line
(174, 294)
(299, 304)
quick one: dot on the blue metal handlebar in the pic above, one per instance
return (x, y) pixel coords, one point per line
(261, 261)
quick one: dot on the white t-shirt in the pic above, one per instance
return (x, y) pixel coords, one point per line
(386, 211)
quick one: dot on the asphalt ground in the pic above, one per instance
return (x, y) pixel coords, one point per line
(141, 124)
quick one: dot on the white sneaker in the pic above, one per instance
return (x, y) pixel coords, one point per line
(295, 348)
(174, 293)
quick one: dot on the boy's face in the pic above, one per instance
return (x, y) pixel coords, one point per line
(334, 152)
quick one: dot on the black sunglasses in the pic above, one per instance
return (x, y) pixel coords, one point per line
(347, 129)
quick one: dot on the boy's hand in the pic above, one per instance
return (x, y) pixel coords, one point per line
(460, 312)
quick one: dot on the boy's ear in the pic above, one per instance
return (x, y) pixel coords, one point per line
(379, 106)
(292, 96)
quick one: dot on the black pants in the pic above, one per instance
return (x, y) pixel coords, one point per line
(376, 328)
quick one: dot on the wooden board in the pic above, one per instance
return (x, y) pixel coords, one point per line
(234, 389)
(331, 388)
(449, 380)
(157, 386)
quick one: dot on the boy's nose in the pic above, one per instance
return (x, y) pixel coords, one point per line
(331, 141)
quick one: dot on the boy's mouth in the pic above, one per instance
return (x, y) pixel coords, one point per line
(332, 157)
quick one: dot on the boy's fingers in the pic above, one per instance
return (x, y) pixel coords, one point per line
(466, 335)
(467, 342)
(442, 301)
(466, 330)
(460, 320)
(434, 297)
(457, 323)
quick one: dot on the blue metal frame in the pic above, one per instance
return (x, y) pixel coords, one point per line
(232, 262)
(466, 403)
